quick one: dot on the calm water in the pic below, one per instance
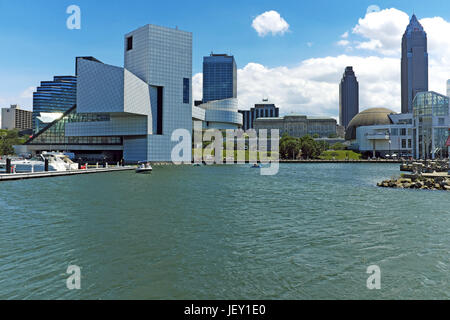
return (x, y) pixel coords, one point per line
(224, 233)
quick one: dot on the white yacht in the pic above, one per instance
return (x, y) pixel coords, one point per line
(56, 162)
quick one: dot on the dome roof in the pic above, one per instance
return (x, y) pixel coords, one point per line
(369, 117)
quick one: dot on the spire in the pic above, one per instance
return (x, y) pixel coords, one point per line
(414, 25)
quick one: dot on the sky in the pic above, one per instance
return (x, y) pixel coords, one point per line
(292, 52)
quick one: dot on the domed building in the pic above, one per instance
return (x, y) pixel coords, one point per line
(380, 132)
(369, 117)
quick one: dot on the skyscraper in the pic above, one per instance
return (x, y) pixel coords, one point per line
(348, 97)
(219, 77)
(414, 63)
(52, 99)
(448, 88)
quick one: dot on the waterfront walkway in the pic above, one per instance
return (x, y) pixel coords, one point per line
(35, 175)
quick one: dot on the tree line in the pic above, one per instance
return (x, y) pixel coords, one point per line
(304, 148)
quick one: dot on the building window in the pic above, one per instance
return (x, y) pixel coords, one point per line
(441, 121)
(403, 131)
(403, 143)
(129, 43)
(409, 144)
(394, 132)
(185, 90)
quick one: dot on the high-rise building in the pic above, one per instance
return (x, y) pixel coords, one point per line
(52, 99)
(219, 77)
(414, 63)
(16, 118)
(448, 88)
(261, 110)
(348, 97)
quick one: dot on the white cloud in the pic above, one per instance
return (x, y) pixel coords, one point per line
(383, 31)
(345, 35)
(28, 93)
(270, 22)
(312, 87)
(343, 43)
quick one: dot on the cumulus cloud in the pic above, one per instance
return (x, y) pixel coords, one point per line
(312, 87)
(382, 31)
(270, 22)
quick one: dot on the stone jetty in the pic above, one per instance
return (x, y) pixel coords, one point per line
(422, 182)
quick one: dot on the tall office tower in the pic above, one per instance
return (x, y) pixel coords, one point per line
(414, 63)
(448, 88)
(52, 99)
(348, 97)
(219, 77)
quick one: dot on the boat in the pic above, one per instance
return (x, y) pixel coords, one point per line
(56, 162)
(144, 167)
(256, 166)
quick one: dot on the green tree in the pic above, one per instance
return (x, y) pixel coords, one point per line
(338, 146)
(9, 138)
(289, 147)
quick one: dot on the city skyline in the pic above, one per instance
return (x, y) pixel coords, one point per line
(303, 79)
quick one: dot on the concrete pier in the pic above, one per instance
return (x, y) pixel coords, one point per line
(49, 174)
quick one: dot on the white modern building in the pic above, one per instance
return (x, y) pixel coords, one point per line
(129, 112)
(394, 139)
(219, 114)
(422, 134)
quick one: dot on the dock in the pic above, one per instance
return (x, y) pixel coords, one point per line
(50, 174)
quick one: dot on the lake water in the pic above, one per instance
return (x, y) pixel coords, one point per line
(224, 232)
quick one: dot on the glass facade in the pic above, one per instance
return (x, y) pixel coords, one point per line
(429, 108)
(55, 96)
(54, 134)
(219, 77)
(186, 90)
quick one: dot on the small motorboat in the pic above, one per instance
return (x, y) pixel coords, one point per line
(144, 167)
(256, 166)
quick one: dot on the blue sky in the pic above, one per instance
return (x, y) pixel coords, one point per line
(37, 45)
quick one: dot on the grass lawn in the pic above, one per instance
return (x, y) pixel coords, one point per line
(340, 155)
